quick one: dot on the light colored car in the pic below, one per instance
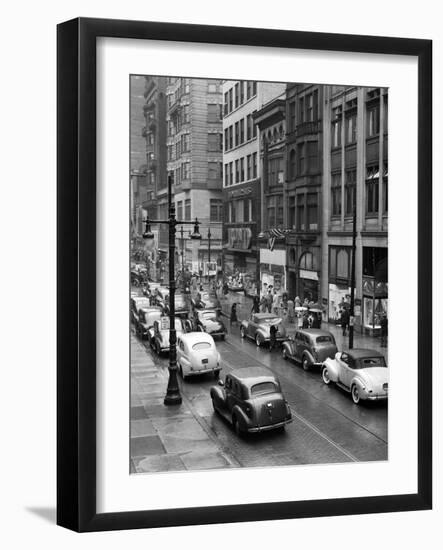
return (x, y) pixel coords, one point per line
(197, 354)
(160, 295)
(258, 328)
(362, 372)
(251, 399)
(145, 320)
(206, 320)
(159, 334)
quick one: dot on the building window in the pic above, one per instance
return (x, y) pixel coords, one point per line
(242, 92)
(336, 194)
(291, 212)
(242, 130)
(351, 178)
(312, 157)
(300, 212)
(170, 152)
(242, 169)
(275, 171)
(185, 139)
(351, 128)
(248, 167)
(226, 105)
(309, 101)
(239, 211)
(213, 170)
(187, 209)
(373, 120)
(237, 133)
(237, 94)
(308, 261)
(301, 159)
(249, 124)
(186, 170)
(230, 100)
(254, 165)
(339, 263)
(180, 210)
(248, 210)
(213, 112)
(292, 119)
(248, 89)
(185, 114)
(237, 171)
(312, 211)
(214, 142)
(254, 88)
(301, 110)
(215, 210)
(226, 175)
(177, 176)
(385, 113)
(372, 177)
(226, 139)
(231, 173)
(292, 165)
(336, 129)
(230, 132)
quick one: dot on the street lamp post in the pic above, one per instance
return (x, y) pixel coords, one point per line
(172, 396)
(209, 245)
(351, 309)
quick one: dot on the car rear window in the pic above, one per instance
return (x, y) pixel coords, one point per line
(323, 339)
(368, 362)
(263, 387)
(201, 345)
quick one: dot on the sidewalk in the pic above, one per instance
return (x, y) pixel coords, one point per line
(166, 437)
(244, 305)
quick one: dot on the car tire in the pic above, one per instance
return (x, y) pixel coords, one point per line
(213, 404)
(325, 376)
(305, 363)
(257, 340)
(284, 354)
(242, 332)
(183, 376)
(355, 394)
(236, 426)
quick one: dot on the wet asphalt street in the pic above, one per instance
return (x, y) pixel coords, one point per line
(327, 426)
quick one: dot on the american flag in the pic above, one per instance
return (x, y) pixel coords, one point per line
(275, 234)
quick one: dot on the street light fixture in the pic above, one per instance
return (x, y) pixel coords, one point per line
(172, 396)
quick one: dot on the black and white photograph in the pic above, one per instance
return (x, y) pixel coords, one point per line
(258, 302)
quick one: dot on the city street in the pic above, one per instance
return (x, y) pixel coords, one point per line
(327, 426)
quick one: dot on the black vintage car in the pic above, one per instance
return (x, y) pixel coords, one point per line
(310, 347)
(181, 302)
(205, 300)
(251, 399)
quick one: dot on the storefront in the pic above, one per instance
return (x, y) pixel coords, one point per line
(375, 287)
(308, 277)
(273, 269)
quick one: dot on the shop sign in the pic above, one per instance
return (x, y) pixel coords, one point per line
(308, 274)
(239, 238)
(164, 323)
(357, 310)
(243, 192)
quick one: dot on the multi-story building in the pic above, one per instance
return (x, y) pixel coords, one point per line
(271, 121)
(194, 164)
(355, 169)
(304, 146)
(241, 175)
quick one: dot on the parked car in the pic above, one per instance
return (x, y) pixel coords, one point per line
(252, 400)
(159, 334)
(310, 347)
(137, 302)
(197, 354)
(362, 372)
(257, 327)
(181, 302)
(206, 320)
(145, 320)
(150, 289)
(205, 300)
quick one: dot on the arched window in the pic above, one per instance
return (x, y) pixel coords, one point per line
(280, 130)
(269, 136)
(275, 134)
(292, 165)
(308, 261)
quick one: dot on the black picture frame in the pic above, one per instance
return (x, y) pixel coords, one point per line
(76, 279)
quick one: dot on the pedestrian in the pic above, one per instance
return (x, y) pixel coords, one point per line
(234, 314)
(305, 323)
(272, 337)
(384, 330)
(269, 301)
(255, 304)
(344, 320)
(276, 303)
(316, 323)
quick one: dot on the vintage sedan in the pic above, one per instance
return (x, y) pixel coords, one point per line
(197, 354)
(160, 296)
(181, 302)
(310, 347)
(137, 302)
(258, 327)
(206, 320)
(362, 372)
(145, 320)
(159, 334)
(205, 300)
(252, 400)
